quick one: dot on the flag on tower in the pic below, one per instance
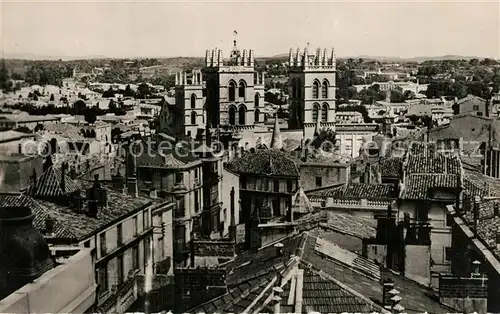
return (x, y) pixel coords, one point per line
(235, 32)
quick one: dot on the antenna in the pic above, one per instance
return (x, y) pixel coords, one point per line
(235, 34)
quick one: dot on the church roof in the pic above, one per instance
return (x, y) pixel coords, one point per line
(49, 184)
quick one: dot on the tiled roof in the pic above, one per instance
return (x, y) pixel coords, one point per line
(249, 285)
(78, 225)
(422, 149)
(415, 298)
(391, 167)
(350, 224)
(265, 162)
(167, 153)
(49, 184)
(481, 181)
(433, 163)
(359, 191)
(416, 186)
(488, 224)
(60, 229)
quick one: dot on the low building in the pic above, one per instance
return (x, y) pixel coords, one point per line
(17, 171)
(473, 105)
(117, 224)
(36, 279)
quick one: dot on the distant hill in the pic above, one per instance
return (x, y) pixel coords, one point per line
(391, 59)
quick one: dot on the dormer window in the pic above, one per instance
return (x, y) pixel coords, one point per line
(49, 226)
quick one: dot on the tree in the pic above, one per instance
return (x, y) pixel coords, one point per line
(325, 140)
(129, 92)
(143, 90)
(90, 116)
(79, 106)
(6, 83)
(110, 93)
(39, 127)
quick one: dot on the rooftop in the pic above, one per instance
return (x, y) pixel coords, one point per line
(265, 162)
(358, 191)
(331, 280)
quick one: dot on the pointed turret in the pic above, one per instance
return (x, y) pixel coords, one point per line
(290, 57)
(324, 61)
(306, 57)
(207, 58)
(276, 142)
(298, 61)
(332, 57)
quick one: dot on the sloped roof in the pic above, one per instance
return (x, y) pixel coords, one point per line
(358, 191)
(433, 163)
(416, 186)
(334, 280)
(391, 167)
(60, 229)
(49, 184)
(265, 162)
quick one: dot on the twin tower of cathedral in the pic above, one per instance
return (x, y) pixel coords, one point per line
(230, 92)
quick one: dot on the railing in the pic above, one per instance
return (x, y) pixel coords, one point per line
(354, 203)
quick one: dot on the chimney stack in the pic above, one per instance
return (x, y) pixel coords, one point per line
(153, 193)
(476, 268)
(279, 249)
(277, 299)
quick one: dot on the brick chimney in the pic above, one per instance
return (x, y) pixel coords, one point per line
(279, 249)
(153, 193)
(277, 299)
(367, 174)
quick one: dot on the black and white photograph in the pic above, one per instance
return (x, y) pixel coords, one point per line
(305, 157)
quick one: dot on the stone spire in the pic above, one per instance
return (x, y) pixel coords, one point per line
(276, 142)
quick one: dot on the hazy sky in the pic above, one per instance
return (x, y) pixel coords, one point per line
(174, 28)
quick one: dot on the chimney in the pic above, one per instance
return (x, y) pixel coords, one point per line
(232, 227)
(153, 193)
(63, 177)
(476, 268)
(477, 204)
(387, 286)
(49, 226)
(132, 172)
(277, 299)
(279, 249)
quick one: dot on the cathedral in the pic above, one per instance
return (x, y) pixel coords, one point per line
(226, 96)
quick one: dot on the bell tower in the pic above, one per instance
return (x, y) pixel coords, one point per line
(312, 85)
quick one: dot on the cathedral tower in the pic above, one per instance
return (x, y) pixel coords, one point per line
(312, 84)
(189, 101)
(234, 91)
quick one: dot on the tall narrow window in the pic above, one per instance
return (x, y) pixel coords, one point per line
(193, 118)
(161, 248)
(257, 114)
(232, 91)
(299, 88)
(324, 89)
(294, 88)
(241, 115)
(102, 243)
(135, 257)
(315, 91)
(315, 112)
(119, 235)
(242, 89)
(193, 101)
(232, 115)
(119, 269)
(257, 100)
(324, 113)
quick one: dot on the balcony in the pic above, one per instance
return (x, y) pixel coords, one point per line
(121, 297)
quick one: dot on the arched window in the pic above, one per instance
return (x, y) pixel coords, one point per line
(232, 115)
(257, 114)
(257, 99)
(293, 84)
(232, 91)
(315, 90)
(242, 89)
(193, 117)
(324, 113)
(193, 101)
(241, 115)
(315, 112)
(324, 89)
